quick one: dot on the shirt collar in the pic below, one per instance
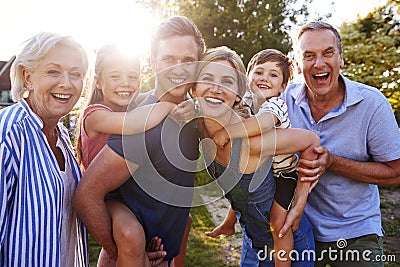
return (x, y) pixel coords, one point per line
(34, 117)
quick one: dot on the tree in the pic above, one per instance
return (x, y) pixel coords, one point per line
(247, 26)
(372, 50)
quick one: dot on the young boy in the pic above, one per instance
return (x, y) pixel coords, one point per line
(269, 72)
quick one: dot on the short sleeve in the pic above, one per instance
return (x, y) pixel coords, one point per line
(383, 135)
(277, 106)
(133, 147)
(89, 109)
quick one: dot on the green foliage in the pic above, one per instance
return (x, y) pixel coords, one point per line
(371, 49)
(240, 26)
(94, 251)
(245, 26)
(203, 250)
(392, 227)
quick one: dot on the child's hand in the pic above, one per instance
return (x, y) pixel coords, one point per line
(221, 138)
(155, 251)
(184, 112)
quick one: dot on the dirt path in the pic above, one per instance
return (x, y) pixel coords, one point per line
(390, 208)
(232, 245)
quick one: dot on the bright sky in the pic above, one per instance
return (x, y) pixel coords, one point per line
(345, 10)
(95, 23)
(92, 22)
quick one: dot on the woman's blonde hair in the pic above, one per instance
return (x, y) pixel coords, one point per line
(33, 52)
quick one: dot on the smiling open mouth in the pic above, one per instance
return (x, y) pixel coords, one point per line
(263, 87)
(61, 96)
(124, 94)
(213, 100)
(177, 80)
(321, 77)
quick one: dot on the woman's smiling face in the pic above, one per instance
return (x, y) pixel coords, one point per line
(217, 88)
(56, 83)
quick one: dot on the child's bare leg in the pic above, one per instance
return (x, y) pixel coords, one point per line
(105, 260)
(128, 235)
(227, 227)
(286, 243)
(179, 260)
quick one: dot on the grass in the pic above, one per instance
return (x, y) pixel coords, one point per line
(202, 251)
(390, 209)
(94, 250)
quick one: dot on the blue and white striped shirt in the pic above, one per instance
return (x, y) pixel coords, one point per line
(31, 192)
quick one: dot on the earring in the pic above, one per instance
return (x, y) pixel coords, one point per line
(197, 108)
(29, 86)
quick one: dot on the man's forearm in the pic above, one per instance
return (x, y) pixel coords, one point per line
(379, 173)
(95, 216)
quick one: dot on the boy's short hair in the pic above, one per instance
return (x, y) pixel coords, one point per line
(273, 55)
(177, 26)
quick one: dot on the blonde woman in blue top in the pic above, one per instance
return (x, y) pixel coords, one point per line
(38, 170)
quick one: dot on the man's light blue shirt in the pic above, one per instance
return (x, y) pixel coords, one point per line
(362, 128)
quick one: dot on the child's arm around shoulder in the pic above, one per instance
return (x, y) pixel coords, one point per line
(146, 117)
(259, 124)
(132, 122)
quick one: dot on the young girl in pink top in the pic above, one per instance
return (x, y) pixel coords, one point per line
(116, 84)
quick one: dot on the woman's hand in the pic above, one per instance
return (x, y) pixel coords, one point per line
(292, 221)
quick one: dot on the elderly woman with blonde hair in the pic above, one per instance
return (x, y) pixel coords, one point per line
(39, 173)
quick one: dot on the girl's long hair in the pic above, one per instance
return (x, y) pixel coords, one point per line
(95, 95)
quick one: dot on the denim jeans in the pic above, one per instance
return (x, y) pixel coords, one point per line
(302, 255)
(252, 209)
(257, 238)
